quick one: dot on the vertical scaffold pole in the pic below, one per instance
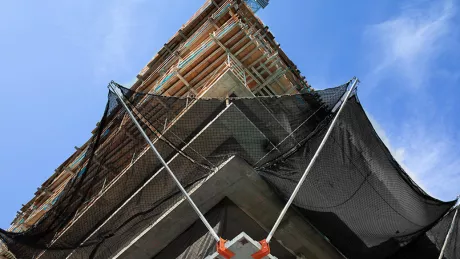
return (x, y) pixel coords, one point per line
(448, 234)
(120, 96)
(310, 165)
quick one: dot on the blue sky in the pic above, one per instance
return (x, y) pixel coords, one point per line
(56, 58)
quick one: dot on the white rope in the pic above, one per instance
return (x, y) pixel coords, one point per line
(310, 165)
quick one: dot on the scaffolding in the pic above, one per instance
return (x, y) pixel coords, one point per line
(223, 35)
(222, 41)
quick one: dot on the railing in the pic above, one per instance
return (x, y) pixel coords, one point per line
(236, 68)
(45, 206)
(257, 37)
(168, 61)
(222, 10)
(4, 253)
(78, 160)
(195, 54)
(195, 35)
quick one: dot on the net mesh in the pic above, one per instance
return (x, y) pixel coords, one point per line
(228, 220)
(429, 244)
(356, 194)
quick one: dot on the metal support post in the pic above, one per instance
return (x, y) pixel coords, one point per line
(117, 92)
(448, 234)
(229, 64)
(310, 165)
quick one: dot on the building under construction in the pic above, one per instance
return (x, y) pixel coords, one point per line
(241, 129)
(223, 45)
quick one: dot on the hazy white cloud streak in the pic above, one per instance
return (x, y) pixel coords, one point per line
(407, 47)
(410, 43)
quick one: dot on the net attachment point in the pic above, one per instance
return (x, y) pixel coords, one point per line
(224, 251)
(264, 250)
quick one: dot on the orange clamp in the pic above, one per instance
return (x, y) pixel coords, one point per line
(223, 251)
(264, 250)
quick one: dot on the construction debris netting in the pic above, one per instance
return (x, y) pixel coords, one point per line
(228, 220)
(357, 195)
(428, 245)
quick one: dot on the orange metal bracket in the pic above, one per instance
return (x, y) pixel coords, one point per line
(223, 251)
(264, 250)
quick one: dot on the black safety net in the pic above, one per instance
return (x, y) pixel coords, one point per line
(228, 220)
(356, 194)
(429, 244)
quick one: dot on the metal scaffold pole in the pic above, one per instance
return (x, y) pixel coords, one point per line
(441, 254)
(120, 96)
(310, 165)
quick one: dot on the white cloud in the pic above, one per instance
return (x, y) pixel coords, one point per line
(407, 44)
(406, 48)
(434, 157)
(430, 156)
